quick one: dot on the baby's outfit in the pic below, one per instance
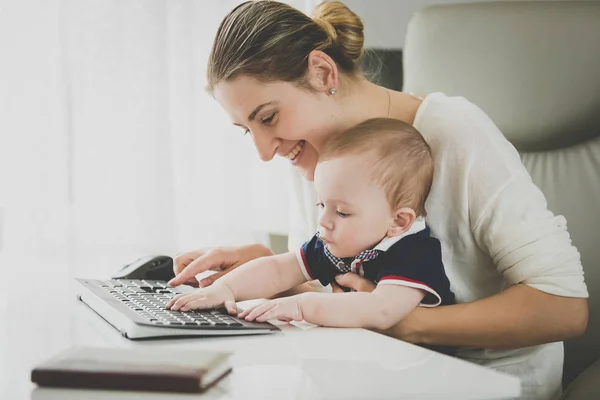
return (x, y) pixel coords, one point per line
(413, 259)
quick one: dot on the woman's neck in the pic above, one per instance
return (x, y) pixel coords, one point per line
(361, 100)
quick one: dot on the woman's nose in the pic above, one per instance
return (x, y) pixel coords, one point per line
(265, 144)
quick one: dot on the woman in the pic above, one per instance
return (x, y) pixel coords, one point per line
(291, 81)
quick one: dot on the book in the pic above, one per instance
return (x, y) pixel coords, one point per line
(145, 369)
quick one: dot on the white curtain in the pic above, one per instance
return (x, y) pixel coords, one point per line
(109, 146)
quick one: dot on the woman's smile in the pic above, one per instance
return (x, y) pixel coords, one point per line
(294, 154)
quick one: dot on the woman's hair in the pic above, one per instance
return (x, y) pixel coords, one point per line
(400, 159)
(271, 41)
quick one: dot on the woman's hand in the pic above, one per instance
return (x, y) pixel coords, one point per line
(352, 281)
(402, 330)
(222, 259)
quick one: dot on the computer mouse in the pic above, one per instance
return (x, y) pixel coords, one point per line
(156, 267)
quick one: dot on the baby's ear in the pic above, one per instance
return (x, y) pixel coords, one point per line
(403, 220)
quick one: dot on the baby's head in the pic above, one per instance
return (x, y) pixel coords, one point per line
(372, 181)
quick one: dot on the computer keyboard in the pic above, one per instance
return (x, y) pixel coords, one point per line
(137, 309)
(149, 298)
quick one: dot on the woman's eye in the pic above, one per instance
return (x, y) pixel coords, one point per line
(321, 205)
(247, 131)
(269, 119)
(343, 215)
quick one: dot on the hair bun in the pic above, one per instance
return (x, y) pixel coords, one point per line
(344, 27)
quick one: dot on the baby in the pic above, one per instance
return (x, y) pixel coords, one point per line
(372, 182)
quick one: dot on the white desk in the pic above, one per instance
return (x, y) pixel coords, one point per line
(298, 363)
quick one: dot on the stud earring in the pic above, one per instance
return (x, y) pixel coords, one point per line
(332, 91)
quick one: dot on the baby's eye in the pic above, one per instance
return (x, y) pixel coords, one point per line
(247, 131)
(343, 215)
(320, 205)
(269, 119)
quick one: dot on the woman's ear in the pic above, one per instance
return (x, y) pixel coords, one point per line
(403, 220)
(322, 72)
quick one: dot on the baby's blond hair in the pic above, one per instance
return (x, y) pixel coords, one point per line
(401, 162)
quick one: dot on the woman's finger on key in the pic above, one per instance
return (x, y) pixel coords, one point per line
(181, 261)
(203, 261)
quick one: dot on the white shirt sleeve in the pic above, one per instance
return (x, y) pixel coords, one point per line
(510, 219)
(528, 243)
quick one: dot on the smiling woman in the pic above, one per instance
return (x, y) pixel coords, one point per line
(501, 247)
(258, 83)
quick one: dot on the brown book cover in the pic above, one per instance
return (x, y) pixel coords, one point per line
(148, 369)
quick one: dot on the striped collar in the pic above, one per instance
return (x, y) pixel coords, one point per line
(343, 264)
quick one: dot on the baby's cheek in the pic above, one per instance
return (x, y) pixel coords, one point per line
(360, 242)
(351, 244)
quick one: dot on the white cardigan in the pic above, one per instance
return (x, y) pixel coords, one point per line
(493, 224)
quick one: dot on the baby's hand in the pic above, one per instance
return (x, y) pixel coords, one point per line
(213, 296)
(284, 309)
